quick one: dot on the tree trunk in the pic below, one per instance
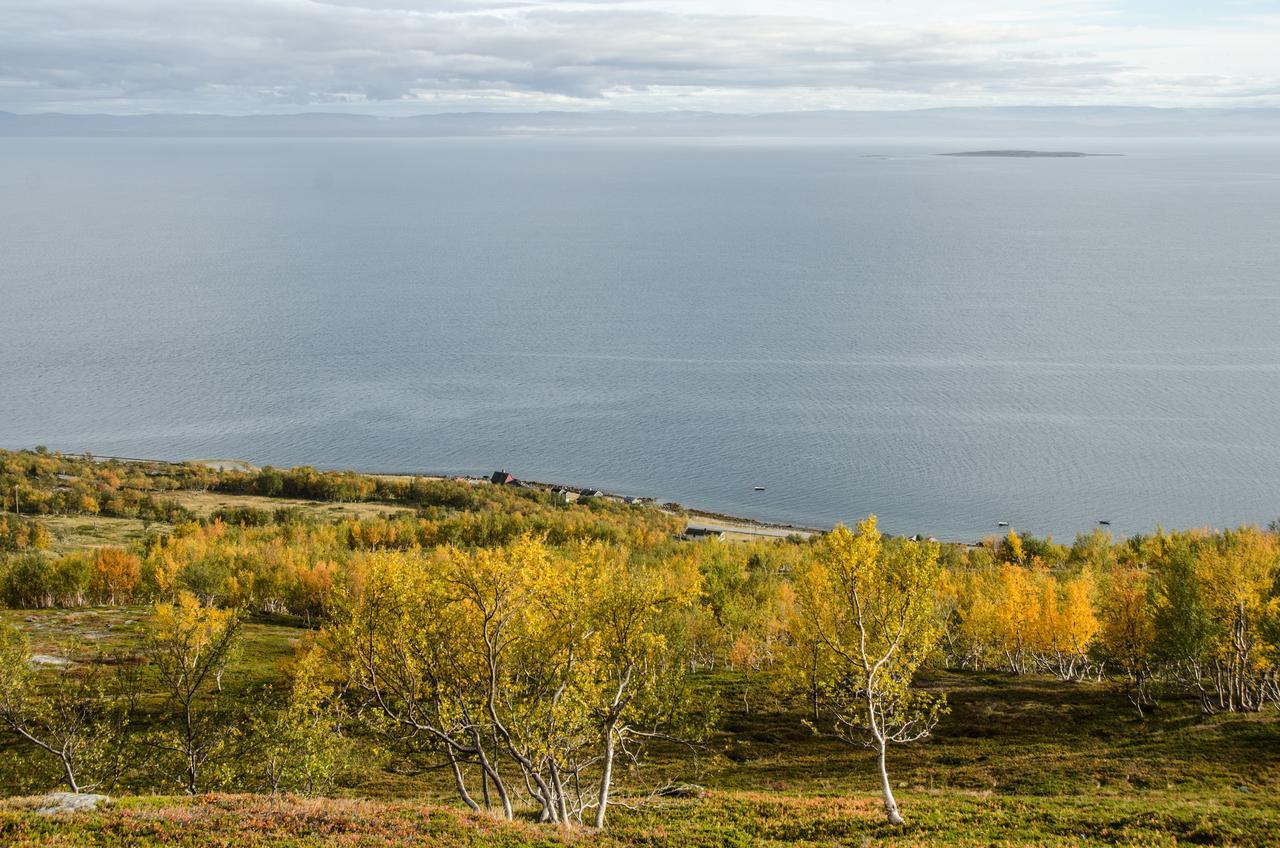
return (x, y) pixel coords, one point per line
(606, 777)
(189, 749)
(460, 782)
(490, 771)
(557, 785)
(890, 805)
(70, 774)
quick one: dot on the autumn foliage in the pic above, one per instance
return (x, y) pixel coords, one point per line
(531, 651)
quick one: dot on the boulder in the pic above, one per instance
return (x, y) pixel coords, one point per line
(68, 802)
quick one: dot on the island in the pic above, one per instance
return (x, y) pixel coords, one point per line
(1030, 154)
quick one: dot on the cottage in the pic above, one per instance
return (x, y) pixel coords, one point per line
(562, 495)
(504, 478)
(703, 533)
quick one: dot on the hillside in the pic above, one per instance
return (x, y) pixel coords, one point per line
(1041, 650)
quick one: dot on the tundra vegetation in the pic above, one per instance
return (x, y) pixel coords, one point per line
(297, 657)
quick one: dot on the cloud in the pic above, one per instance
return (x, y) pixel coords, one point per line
(400, 56)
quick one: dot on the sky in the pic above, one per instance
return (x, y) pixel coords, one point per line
(404, 57)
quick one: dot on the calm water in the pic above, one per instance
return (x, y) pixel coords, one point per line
(946, 342)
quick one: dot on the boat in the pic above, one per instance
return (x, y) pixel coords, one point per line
(1104, 522)
(759, 488)
(1002, 524)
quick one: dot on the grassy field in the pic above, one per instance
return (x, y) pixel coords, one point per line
(80, 532)
(1017, 761)
(204, 503)
(73, 533)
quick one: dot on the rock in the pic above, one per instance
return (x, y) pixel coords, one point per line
(682, 790)
(48, 659)
(69, 802)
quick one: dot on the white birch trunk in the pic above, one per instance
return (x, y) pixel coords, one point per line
(606, 777)
(890, 805)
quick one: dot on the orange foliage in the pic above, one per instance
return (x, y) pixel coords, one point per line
(116, 574)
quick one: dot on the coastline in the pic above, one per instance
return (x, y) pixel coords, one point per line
(706, 521)
(696, 519)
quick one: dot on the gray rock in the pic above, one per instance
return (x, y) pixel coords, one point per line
(49, 659)
(69, 802)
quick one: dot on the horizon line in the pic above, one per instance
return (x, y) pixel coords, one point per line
(1076, 107)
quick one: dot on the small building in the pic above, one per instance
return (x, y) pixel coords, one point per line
(562, 495)
(504, 478)
(591, 493)
(703, 533)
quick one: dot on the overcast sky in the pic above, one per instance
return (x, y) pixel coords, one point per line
(398, 57)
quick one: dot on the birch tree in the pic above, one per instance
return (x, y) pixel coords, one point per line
(413, 670)
(1237, 571)
(1128, 632)
(549, 678)
(1067, 626)
(300, 744)
(492, 589)
(1215, 601)
(969, 601)
(78, 720)
(641, 665)
(530, 668)
(872, 612)
(190, 645)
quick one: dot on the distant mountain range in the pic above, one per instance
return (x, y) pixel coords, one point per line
(993, 122)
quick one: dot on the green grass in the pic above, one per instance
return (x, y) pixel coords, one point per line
(1025, 736)
(1017, 761)
(81, 635)
(72, 533)
(203, 504)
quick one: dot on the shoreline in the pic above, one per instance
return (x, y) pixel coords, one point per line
(696, 519)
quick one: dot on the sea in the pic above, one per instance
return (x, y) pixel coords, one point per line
(855, 326)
